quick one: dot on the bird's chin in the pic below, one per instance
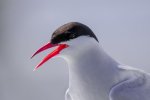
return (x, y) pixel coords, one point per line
(66, 54)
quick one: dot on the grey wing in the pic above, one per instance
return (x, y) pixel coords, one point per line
(137, 88)
(67, 95)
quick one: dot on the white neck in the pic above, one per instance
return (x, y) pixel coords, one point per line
(91, 70)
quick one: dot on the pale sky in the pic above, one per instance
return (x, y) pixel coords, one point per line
(122, 27)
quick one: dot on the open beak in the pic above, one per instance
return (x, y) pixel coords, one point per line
(50, 55)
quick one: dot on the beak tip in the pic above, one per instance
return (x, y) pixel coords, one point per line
(34, 69)
(50, 55)
(32, 56)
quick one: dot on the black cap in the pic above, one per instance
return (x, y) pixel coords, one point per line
(70, 31)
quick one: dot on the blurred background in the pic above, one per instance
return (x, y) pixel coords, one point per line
(122, 27)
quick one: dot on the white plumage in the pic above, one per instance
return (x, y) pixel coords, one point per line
(93, 75)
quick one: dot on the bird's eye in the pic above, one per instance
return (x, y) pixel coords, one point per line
(72, 35)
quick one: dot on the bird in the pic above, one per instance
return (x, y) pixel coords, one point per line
(93, 74)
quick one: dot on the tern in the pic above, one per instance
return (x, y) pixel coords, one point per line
(93, 74)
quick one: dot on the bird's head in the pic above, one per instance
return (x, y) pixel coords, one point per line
(69, 38)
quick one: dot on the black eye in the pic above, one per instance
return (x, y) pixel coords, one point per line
(72, 35)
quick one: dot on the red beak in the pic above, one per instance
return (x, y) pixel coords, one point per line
(50, 55)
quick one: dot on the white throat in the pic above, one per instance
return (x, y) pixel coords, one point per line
(90, 70)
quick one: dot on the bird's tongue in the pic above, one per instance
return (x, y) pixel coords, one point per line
(50, 55)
